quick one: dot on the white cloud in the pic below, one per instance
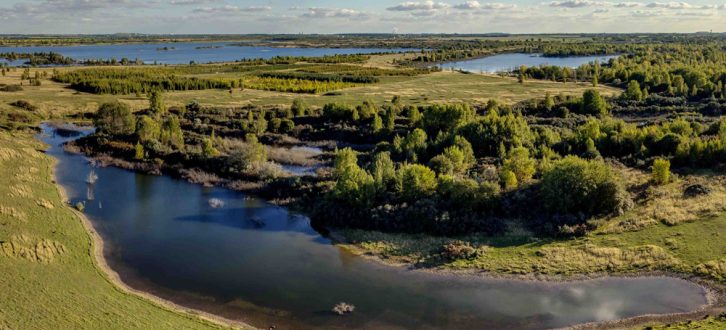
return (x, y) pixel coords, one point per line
(424, 5)
(228, 9)
(192, 2)
(317, 12)
(474, 5)
(572, 3)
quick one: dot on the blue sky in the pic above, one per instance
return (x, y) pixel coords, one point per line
(326, 16)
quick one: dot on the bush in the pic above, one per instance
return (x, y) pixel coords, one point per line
(458, 250)
(11, 88)
(661, 171)
(115, 118)
(24, 105)
(417, 181)
(575, 185)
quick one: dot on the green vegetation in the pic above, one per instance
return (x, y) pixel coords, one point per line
(50, 276)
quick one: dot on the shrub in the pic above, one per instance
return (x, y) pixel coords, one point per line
(661, 171)
(24, 105)
(299, 108)
(11, 88)
(458, 250)
(417, 181)
(593, 103)
(519, 163)
(115, 118)
(575, 185)
(147, 129)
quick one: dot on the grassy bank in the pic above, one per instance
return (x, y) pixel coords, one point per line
(665, 231)
(49, 276)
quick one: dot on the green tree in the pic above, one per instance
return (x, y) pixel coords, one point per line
(549, 102)
(299, 108)
(661, 171)
(593, 103)
(508, 179)
(383, 171)
(147, 129)
(377, 124)
(208, 149)
(352, 184)
(519, 163)
(417, 181)
(156, 102)
(171, 132)
(115, 118)
(575, 185)
(633, 92)
(139, 151)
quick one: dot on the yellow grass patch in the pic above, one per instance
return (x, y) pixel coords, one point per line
(35, 250)
(715, 269)
(20, 191)
(45, 203)
(12, 212)
(605, 258)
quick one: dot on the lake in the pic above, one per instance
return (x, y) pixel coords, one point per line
(508, 62)
(183, 53)
(262, 264)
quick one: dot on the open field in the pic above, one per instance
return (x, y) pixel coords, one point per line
(54, 99)
(49, 276)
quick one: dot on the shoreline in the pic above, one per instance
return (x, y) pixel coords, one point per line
(102, 266)
(714, 293)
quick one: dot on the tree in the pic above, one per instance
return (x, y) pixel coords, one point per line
(417, 181)
(549, 102)
(139, 151)
(508, 179)
(593, 103)
(115, 118)
(519, 163)
(298, 108)
(156, 102)
(208, 149)
(147, 129)
(413, 144)
(661, 171)
(352, 184)
(383, 171)
(574, 185)
(171, 132)
(377, 124)
(633, 92)
(415, 119)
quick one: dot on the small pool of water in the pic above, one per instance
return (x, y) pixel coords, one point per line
(248, 260)
(509, 62)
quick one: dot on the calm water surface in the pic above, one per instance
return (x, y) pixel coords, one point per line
(508, 62)
(262, 264)
(183, 52)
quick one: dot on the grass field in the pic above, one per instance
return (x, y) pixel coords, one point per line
(55, 100)
(49, 276)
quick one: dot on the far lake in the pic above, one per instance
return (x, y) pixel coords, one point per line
(183, 53)
(249, 260)
(508, 62)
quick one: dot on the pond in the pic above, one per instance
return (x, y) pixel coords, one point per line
(248, 260)
(183, 53)
(508, 62)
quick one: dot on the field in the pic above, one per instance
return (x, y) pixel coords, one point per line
(50, 277)
(55, 99)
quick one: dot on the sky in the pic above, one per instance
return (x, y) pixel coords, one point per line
(369, 16)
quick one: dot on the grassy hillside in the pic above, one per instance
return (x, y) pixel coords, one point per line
(49, 276)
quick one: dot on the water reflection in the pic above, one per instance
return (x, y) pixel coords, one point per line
(162, 235)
